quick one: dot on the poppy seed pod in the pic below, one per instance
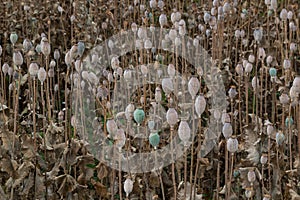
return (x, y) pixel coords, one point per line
(296, 83)
(13, 38)
(139, 115)
(163, 20)
(128, 111)
(286, 64)
(261, 53)
(10, 71)
(160, 4)
(172, 116)
(154, 139)
(200, 105)
(251, 58)
(284, 99)
(17, 58)
(290, 15)
(293, 46)
(68, 59)
(144, 70)
(33, 69)
(264, 159)
(167, 85)
(206, 17)
(45, 47)
(128, 186)
(258, 34)
(27, 45)
(232, 145)
(225, 118)
(251, 175)
(158, 95)
(127, 75)
(52, 63)
(151, 124)
(249, 192)
(111, 127)
(255, 83)
(273, 5)
(270, 129)
(51, 73)
(232, 92)
(248, 67)
(42, 75)
(237, 33)
(280, 138)
(115, 63)
(5, 68)
(193, 87)
(134, 27)
(184, 132)
(289, 121)
(272, 72)
(171, 70)
(227, 130)
(239, 69)
(56, 54)
(269, 60)
(283, 14)
(92, 78)
(81, 48)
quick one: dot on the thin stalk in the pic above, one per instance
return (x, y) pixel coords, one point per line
(173, 165)
(192, 148)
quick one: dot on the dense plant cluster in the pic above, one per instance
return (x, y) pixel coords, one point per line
(253, 51)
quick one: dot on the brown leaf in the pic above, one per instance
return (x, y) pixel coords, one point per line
(101, 190)
(101, 171)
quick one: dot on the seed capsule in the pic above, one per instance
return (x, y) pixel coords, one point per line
(232, 145)
(184, 132)
(128, 186)
(200, 105)
(251, 176)
(272, 72)
(193, 86)
(13, 38)
(33, 69)
(227, 130)
(154, 139)
(111, 127)
(264, 159)
(172, 116)
(280, 138)
(17, 58)
(139, 115)
(42, 74)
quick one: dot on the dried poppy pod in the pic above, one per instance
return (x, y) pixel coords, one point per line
(270, 129)
(273, 5)
(56, 54)
(163, 20)
(280, 138)
(42, 75)
(13, 38)
(283, 14)
(127, 75)
(68, 59)
(184, 132)
(27, 45)
(232, 144)
(111, 127)
(45, 47)
(129, 110)
(284, 99)
(193, 87)
(296, 83)
(128, 186)
(227, 130)
(251, 175)
(258, 34)
(144, 70)
(5, 68)
(33, 69)
(17, 58)
(251, 58)
(1, 50)
(51, 73)
(239, 69)
(200, 105)
(248, 67)
(154, 140)
(81, 48)
(115, 63)
(158, 95)
(264, 158)
(286, 64)
(249, 192)
(167, 85)
(172, 116)
(232, 92)
(171, 70)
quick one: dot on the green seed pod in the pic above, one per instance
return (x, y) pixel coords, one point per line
(272, 72)
(154, 139)
(289, 121)
(139, 115)
(280, 138)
